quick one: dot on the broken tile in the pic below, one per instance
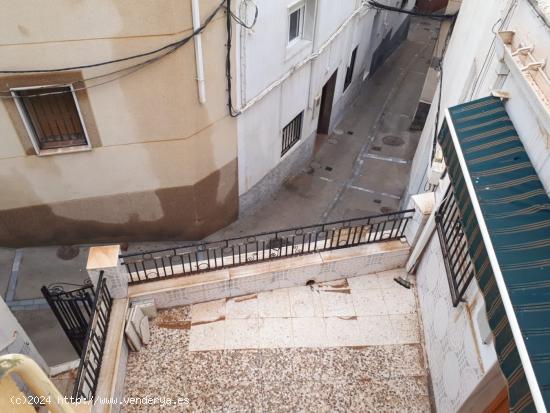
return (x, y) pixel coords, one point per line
(337, 303)
(207, 336)
(245, 306)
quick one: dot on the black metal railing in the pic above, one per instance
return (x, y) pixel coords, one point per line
(73, 309)
(210, 256)
(94, 344)
(454, 246)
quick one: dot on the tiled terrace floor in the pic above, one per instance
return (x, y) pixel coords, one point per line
(346, 346)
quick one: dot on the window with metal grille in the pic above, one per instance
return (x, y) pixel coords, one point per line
(52, 117)
(292, 133)
(349, 70)
(454, 245)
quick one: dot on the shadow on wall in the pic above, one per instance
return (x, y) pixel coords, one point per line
(388, 45)
(188, 213)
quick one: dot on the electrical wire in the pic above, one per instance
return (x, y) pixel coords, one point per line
(380, 6)
(167, 49)
(231, 16)
(176, 44)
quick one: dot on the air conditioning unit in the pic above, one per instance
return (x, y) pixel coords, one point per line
(137, 329)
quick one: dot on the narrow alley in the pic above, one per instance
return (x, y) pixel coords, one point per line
(363, 168)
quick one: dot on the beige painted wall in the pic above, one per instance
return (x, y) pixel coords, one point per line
(150, 131)
(11, 398)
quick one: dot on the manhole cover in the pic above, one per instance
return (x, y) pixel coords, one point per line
(393, 141)
(376, 148)
(67, 252)
(350, 132)
(338, 132)
(387, 210)
(328, 168)
(333, 141)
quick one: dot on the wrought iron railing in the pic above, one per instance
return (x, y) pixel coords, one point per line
(210, 256)
(454, 246)
(73, 309)
(94, 343)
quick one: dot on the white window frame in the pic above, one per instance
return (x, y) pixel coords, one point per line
(299, 5)
(30, 130)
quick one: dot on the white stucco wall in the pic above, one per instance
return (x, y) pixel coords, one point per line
(457, 357)
(465, 61)
(265, 58)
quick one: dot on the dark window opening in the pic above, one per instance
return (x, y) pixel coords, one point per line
(295, 23)
(454, 245)
(292, 133)
(349, 70)
(51, 116)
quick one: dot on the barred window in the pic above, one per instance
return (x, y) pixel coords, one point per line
(454, 245)
(292, 133)
(52, 117)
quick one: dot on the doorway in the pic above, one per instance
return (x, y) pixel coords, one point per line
(325, 111)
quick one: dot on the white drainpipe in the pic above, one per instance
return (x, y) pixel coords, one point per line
(422, 242)
(198, 51)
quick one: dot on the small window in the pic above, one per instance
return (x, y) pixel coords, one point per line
(292, 133)
(349, 70)
(296, 22)
(52, 118)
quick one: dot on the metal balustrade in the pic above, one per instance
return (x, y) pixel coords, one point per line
(209, 256)
(94, 344)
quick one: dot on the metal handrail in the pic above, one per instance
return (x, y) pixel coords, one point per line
(212, 255)
(94, 343)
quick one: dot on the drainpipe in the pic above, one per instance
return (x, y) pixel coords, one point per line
(36, 379)
(198, 51)
(421, 243)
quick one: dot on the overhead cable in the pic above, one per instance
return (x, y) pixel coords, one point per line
(381, 6)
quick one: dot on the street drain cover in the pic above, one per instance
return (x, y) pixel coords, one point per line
(67, 252)
(377, 201)
(328, 168)
(387, 210)
(393, 141)
(350, 132)
(376, 148)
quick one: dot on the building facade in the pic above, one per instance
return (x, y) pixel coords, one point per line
(305, 76)
(129, 153)
(482, 262)
(106, 140)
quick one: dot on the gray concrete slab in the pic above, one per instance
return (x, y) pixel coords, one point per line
(46, 334)
(394, 182)
(6, 262)
(41, 266)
